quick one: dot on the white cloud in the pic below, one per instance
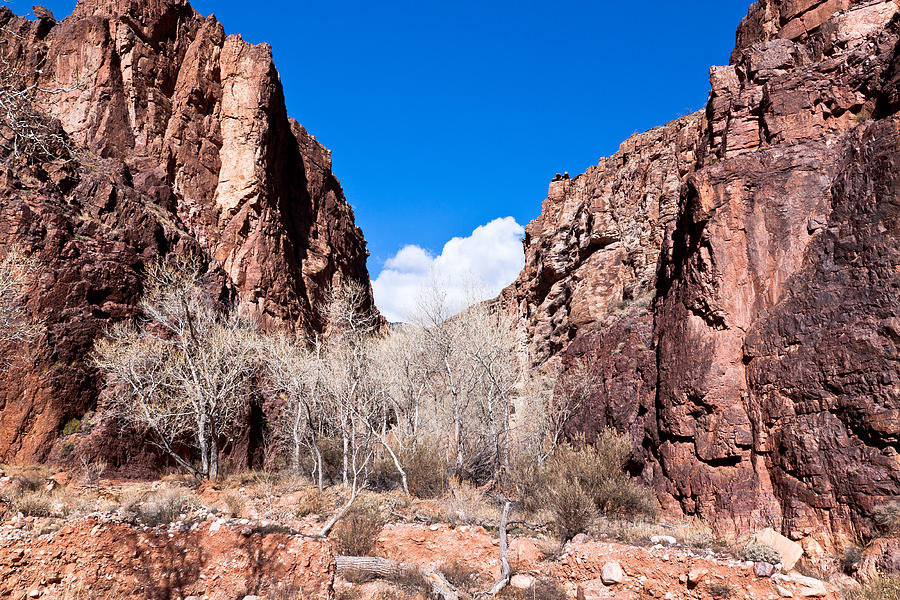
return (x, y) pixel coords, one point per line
(486, 261)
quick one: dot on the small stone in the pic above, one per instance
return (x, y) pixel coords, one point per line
(666, 540)
(784, 592)
(764, 569)
(34, 594)
(434, 527)
(522, 581)
(580, 539)
(612, 573)
(246, 532)
(695, 576)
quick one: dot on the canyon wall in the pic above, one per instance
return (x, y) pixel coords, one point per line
(182, 144)
(734, 277)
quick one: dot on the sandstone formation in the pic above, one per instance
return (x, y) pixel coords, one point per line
(183, 144)
(734, 278)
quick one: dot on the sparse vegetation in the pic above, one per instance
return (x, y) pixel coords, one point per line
(543, 589)
(719, 590)
(759, 552)
(884, 587)
(158, 507)
(17, 272)
(357, 533)
(887, 518)
(580, 480)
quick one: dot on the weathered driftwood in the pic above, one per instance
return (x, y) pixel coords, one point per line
(394, 570)
(505, 572)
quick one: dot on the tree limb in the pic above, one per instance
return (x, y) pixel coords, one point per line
(505, 571)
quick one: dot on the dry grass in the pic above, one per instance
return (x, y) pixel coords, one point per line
(234, 502)
(885, 587)
(158, 507)
(543, 589)
(460, 576)
(465, 504)
(692, 533)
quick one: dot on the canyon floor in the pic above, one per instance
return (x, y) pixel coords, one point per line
(66, 536)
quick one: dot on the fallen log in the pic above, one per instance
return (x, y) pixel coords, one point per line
(397, 570)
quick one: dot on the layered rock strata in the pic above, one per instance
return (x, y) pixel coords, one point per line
(183, 143)
(759, 377)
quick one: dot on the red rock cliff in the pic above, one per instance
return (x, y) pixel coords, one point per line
(735, 277)
(186, 145)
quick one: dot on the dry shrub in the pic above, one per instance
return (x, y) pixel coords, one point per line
(356, 533)
(459, 575)
(426, 470)
(719, 590)
(158, 507)
(464, 503)
(580, 479)
(850, 558)
(234, 503)
(884, 587)
(29, 480)
(887, 518)
(573, 510)
(543, 589)
(312, 501)
(759, 552)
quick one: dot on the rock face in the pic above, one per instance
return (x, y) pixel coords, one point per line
(186, 146)
(758, 377)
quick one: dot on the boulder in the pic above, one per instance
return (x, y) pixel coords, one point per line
(790, 551)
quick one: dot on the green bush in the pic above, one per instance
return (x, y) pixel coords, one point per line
(72, 427)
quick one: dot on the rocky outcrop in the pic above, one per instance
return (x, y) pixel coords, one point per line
(594, 248)
(183, 144)
(105, 559)
(767, 394)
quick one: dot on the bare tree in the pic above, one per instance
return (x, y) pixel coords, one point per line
(295, 372)
(27, 132)
(17, 272)
(184, 370)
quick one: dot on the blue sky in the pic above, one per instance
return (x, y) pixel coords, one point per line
(443, 116)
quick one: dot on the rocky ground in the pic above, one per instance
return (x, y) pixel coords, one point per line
(256, 535)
